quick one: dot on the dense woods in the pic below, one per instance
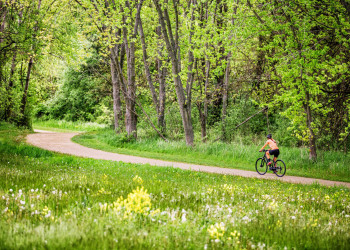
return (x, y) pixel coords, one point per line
(191, 69)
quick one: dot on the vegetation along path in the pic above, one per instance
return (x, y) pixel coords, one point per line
(61, 142)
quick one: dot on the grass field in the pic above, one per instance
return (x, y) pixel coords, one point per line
(330, 165)
(51, 201)
(66, 126)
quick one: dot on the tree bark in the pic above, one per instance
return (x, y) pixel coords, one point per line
(116, 88)
(185, 108)
(25, 92)
(162, 71)
(224, 97)
(204, 115)
(2, 19)
(130, 113)
(10, 86)
(312, 137)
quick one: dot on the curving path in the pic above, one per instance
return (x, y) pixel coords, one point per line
(61, 142)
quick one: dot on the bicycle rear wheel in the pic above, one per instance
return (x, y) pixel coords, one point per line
(260, 166)
(280, 168)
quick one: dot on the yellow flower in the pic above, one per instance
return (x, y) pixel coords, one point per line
(138, 202)
(216, 231)
(137, 179)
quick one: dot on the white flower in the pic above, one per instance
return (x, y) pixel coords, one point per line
(255, 200)
(347, 216)
(32, 190)
(11, 190)
(293, 217)
(22, 202)
(44, 185)
(183, 217)
(217, 240)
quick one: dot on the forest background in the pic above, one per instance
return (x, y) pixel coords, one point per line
(190, 70)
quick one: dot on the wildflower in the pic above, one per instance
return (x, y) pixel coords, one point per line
(246, 219)
(137, 179)
(138, 202)
(183, 217)
(11, 190)
(22, 202)
(217, 231)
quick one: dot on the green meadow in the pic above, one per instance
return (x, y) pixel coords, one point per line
(50, 201)
(331, 165)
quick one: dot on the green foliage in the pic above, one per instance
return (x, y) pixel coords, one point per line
(81, 97)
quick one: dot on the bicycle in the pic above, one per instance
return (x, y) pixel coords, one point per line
(278, 167)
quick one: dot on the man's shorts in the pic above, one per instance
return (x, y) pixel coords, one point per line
(274, 152)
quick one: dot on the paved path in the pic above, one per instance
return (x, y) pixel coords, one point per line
(61, 142)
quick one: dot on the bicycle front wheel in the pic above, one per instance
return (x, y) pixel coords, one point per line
(260, 166)
(280, 168)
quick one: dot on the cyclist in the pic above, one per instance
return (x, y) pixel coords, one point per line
(273, 151)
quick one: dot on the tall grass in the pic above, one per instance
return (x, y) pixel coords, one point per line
(50, 201)
(330, 165)
(67, 126)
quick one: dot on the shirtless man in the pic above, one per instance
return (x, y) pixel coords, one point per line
(273, 151)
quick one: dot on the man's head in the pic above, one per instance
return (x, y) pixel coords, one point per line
(269, 136)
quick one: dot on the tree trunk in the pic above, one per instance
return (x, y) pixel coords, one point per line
(162, 94)
(312, 137)
(205, 108)
(116, 88)
(224, 97)
(130, 89)
(130, 113)
(172, 48)
(25, 92)
(10, 86)
(2, 20)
